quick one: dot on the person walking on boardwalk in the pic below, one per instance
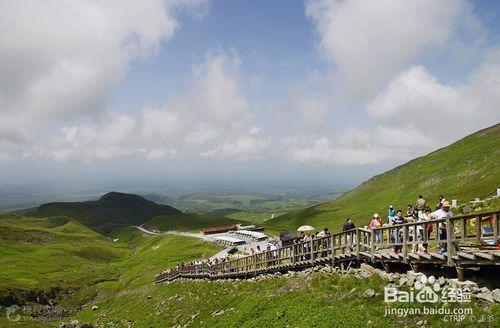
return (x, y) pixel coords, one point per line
(397, 233)
(349, 225)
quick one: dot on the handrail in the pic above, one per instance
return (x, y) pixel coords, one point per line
(404, 238)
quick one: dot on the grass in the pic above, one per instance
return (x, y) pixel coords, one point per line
(464, 170)
(189, 222)
(49, 256)
(126, 295)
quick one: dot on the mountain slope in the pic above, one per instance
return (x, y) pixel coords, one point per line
(467, 169)
(111, 211)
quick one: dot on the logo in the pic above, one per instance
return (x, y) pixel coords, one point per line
(427, 290)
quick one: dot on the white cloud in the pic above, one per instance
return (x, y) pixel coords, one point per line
(368, 42)
(251, 146)
(59, 59)
(207, 119)
(91, 142)
(322, 151)
(439, 113)
(157, 154)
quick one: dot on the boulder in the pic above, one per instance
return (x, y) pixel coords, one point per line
(369, 293)
(488, 296)
(95, 308)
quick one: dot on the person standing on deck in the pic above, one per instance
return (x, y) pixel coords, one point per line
(420, 205)
(391, 214)
(443, 212)
(376, 222)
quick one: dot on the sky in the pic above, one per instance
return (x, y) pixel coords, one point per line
(153, 92)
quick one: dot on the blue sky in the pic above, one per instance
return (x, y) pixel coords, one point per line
(317, 90)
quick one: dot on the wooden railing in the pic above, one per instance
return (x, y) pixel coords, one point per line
(456, 234)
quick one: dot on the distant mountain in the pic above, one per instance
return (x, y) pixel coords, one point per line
(464, 170)
(111, 211)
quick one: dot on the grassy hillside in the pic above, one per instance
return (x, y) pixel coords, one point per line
(467, 169)
(122, 287)
(189, 222)
(46, 257)
(111, 211)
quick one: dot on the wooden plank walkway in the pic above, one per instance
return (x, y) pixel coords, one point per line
(389, 244)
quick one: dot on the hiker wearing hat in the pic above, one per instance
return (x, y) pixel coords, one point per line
(443, 212)
(391, 214)
(376, 222)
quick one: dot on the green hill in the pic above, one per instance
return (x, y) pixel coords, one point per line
(111, 211)
(467, 169)
(44, 258)
(189, 222)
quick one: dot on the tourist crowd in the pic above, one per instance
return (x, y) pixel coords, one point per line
(420, 212)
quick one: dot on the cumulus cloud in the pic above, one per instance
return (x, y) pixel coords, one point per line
(368, 42)
(250, 146)
(323, 151)
(418, 102)
(59, 59)
(91, 142)
(206, 119)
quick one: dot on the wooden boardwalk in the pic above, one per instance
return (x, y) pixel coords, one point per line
(465, 243)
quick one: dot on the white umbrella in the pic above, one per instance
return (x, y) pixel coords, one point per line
(305, 228)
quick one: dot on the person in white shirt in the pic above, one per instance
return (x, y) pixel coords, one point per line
(443, 212)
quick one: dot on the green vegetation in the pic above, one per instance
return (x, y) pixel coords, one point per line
(111, 211)
(464, 170)
(58, 260)
(189, 222)
(124, 292)
(47, 257)
(249, 207)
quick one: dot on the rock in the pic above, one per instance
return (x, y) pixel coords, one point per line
(149, 297)
(368, 269)
(463, 284)
(352, 290)
(496, 295)
(486, 297)
(420, 323)
(441, 281)
(218, 313)
(403, 281)
(369, 293)
(411, 281)
(71, 324)
(95, 308)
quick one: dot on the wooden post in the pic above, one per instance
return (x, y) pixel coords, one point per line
(372, 246)
(495, 226)
(479, 223)
(460, 273)
(450, 245)
(405, 244)
(312, 250)
(333, 249)
(293, 254)
(358, 244)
